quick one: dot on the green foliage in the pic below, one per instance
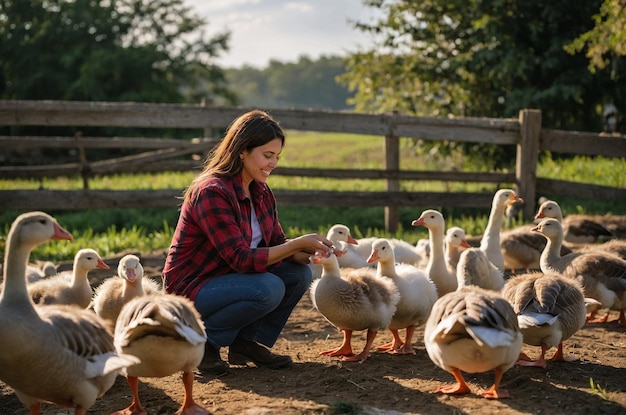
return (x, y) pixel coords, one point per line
(487, 59)
(597, 389)
(124, 50)
(607, 40)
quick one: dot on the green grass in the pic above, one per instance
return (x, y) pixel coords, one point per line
(110, 231)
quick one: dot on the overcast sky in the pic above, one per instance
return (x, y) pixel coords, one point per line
(284, 30)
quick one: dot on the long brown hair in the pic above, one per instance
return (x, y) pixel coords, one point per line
(250, 130)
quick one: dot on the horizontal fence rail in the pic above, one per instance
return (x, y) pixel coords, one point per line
(157, 154)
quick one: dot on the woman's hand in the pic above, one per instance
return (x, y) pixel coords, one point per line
(313, 242)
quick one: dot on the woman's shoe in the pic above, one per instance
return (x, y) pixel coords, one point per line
(212, 363)
(243, 351)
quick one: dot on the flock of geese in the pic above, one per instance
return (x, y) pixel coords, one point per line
(64, 343)
(477, 310)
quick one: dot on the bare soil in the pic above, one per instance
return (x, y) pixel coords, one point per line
(384, 384)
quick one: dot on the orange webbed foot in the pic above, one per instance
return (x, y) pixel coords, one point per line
(495, 393)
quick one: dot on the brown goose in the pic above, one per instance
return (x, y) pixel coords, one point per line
(475, 331)
(549, 308)
(601, 275)
(84, 362)
(474, 268)
(576, 228)
(166, 333)
(522, 248)
(111, 295)
(353, 299)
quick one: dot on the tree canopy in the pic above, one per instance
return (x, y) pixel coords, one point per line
(112, 50)
(483, 58)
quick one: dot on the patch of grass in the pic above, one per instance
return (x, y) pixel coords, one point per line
(598, 390)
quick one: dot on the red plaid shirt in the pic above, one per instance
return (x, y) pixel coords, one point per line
(213, 236)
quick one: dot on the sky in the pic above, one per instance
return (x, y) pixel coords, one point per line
(284, 30)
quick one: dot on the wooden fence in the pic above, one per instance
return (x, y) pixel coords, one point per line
(525, 133)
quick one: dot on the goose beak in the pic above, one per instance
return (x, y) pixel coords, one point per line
(61, 234)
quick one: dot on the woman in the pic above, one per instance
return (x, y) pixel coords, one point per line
(229, 253)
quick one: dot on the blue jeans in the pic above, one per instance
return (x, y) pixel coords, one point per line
(252, 306)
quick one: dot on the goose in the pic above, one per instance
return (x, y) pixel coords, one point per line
(359, 249)
(614, 246)
(474, 268)
(39, 272)
(475, 331)
(437, 269)
(417, 295)
(423, 249)
(340, 235)
(576, 228)
(549, 308)
(405, 252)
(490, 242)
(601, 275)
(166, 333)
(352, 299)
(455, 243)
(522, 248)
(111, 295)
(59, 354)
(71, 287)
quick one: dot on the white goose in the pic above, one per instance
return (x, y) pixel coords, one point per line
(359, 249)
(345, 242)
(58, 354)
(405, 252)
(417, 296)
(549, 308)
(601, 275)
(475, 331)
(111, 295)
(490, 242)
(455, 243)
(69, 287)
(166, 333)
(437, 269)
(352, 299)
(576, 228)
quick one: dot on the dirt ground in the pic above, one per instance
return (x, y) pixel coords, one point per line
(384, 384)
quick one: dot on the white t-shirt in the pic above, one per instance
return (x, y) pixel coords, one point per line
(256, 229)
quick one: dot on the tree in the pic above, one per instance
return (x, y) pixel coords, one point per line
(482, 58)
(113, 50)
(607, 40)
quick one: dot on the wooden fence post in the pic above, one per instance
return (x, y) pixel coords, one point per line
(392, 165)
(208, 129)
(527, 159)
(85, 171)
